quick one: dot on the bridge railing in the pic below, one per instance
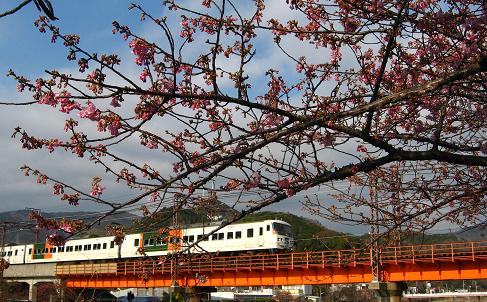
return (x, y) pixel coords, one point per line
(296, 260)
(434, 252)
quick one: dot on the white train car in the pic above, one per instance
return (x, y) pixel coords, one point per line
(267, 235)
(14, 253)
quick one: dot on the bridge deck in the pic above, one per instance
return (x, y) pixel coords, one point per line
(462, 260)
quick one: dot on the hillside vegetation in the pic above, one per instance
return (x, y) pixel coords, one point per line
(309, 234)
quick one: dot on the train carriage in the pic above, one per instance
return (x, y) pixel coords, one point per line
(267, 235)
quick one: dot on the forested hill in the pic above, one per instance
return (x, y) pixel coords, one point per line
(309, 234)
(21, 229)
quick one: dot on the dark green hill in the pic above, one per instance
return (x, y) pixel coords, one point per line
(218, 211)
(309, 234)
(21, 229)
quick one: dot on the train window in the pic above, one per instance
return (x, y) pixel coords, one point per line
(136, 242)
(112, 244)
(191, 238)
(214, 237)
(268, 228)
(151, 241)
(250, 233)
(98, 246)
(60, 249)
(282, 229)
(76, 248)
(9, 253)
(185, 238)
(51, 250)
(45, 250)
(238, 234)
(261, 231)
(146, 242)
(16, 252)
(206, 238)
(221, 236)
(174, 240)
(30, 251)
(230, 235)
(199, 237)
(104, 245)
(37, 251)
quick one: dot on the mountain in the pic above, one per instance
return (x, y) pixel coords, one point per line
(309, 234)
(208, 213)
(20, 229)
(474, 233)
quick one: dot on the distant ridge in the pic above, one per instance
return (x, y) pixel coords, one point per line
(25, 231)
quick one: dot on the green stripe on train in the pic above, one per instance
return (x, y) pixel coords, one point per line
(38, 246)
(159, 242)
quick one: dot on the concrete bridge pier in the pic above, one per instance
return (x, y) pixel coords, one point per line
(32, 290)
(389, 291)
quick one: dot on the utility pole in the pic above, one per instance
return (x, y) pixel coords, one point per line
(397, 211)
(36, 231)
(374, 232)
(175, 238)
(2, 251)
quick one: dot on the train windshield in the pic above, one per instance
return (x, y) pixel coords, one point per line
(282, 229)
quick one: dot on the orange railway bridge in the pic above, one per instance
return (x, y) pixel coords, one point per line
(449, 261)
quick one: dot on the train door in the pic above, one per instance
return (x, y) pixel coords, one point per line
(260, 236)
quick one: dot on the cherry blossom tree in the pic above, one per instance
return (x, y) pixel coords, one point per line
(384, 94)
(42, 5)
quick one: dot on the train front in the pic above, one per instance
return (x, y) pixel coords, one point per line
(285, 237)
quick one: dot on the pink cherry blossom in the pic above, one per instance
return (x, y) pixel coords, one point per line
(144, 51)
(90, 112)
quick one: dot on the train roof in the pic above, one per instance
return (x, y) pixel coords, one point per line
(195, 225)
(219, 223)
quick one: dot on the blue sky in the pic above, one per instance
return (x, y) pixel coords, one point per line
(29, 53)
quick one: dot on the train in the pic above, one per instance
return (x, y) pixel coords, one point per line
(250, 237)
